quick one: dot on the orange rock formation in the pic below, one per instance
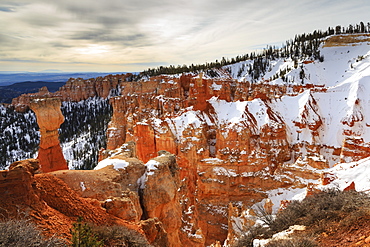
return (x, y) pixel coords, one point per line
(162, 177)
(47, 201)
(148, 195)
(49, 118)
(215, 161)
(75, 90)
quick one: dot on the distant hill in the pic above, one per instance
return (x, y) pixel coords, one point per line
(13, 84)
(7, 93)
(8, 78)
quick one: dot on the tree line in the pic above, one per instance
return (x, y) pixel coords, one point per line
(85, 123)
(19, 136)
(302, 46)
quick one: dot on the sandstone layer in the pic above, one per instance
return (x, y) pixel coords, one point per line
(218, 164)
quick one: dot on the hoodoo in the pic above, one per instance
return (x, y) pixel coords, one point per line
(49, 118)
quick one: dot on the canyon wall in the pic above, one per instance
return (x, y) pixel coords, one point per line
(227, 150)
(122, 191)
(76, 89)
(239, 142)
(231, 141)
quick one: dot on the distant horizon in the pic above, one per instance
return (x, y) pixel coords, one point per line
(64, 72)
(11, 77)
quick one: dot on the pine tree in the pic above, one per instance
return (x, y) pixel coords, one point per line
(350, 28)
(362, 27)
(82, 235)
(338, 29)
(302, 75)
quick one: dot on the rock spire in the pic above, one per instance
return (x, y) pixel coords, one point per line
(49, 118)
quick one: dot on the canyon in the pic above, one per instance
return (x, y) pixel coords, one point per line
(189, 155)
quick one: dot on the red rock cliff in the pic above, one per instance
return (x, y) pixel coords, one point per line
(75, 90)
(218, 162)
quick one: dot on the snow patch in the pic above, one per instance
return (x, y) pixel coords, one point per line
(83, 187)
(221, 171)
(151, 167)
(213, 161)
(116, 163)
(346, 173)
(216, 87)
(186, 120)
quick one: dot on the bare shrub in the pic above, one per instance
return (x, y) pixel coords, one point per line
(257, 231)
(289, 216)
(20, 233)
(263, 215)
(317, 212)
(120, 236)
(328, 206)
(294, 242)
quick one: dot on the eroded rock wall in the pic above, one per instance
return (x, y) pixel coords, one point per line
(76, 89)
(231, 141)
(218, 163)
(147, 194)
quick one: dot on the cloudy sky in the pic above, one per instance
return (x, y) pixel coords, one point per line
(132, 35)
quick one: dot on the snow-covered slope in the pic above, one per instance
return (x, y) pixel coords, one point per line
(342, 104)
(340, 63)
(335, 106)
(344, 174)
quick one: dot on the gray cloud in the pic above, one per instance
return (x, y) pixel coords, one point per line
(135, 32)
(8, 6)
(109, 36)
(7, 9)
(6, 39)
(56, 44)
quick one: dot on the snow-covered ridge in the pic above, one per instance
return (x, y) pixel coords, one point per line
(341, 103)
(339, 62)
